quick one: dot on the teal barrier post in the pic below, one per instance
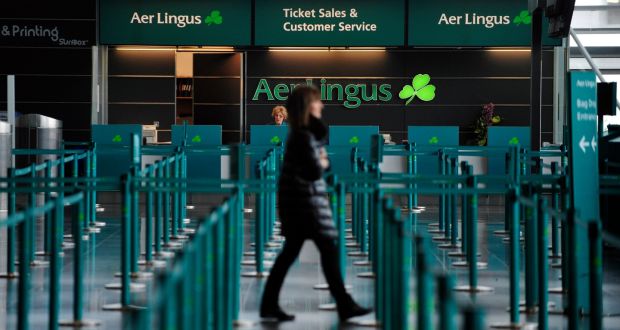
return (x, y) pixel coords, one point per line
(363, 238)
(55, 266)
(166, 223)
(464, 216)
(573, 293)
(10, 230)
(32, 201)
(555, 204)
(447, 304)
(473, 318)
(47, 231)
(531, 248)
(183, 197)
(148, 224)
(354, 198)
(156, 175)
(341, 215)
(381, 282)
(23, 304)
(175, 197)
(424, 285)
(472, 255)
(409, 150)
(89, 221)
(93, 192)
(542, 232)
(442, 196)
(135, 206)
(596, 275)
(515, 259)
(414, 172)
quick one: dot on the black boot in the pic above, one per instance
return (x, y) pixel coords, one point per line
(352, 309)
(276, 314)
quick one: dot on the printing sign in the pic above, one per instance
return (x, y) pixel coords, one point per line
(47, 33)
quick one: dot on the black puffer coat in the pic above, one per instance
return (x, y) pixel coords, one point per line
(303, 204)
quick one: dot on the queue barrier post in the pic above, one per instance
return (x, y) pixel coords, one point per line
(442, 196)
(424, 285)
(47, 224)
(531, 248)
(454, 207)
(596, 275)
(542, 233)
(555, 204)
(11, 235)
(447, 303)
(473, 318)
(571, 259)
(148, 224)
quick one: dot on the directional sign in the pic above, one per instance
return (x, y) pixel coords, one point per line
(583, 155)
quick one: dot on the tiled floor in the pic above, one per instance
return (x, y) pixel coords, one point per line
(298, 295)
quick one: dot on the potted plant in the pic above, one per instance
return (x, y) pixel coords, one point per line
(487, 118)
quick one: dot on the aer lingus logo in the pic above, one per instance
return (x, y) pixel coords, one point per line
(117, 138)
(419, 87)
(513, 141)
(214, 18)
(275, 139)
(433, 140)
(523, 18)
(197, 139)
(354, 140)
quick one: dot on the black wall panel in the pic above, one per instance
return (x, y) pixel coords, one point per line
(223, 65)
(144, 114)
(141, 89)
(136, 62)
(465, 80)
(217, 90)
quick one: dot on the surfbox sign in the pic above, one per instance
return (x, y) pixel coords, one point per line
(47, 33)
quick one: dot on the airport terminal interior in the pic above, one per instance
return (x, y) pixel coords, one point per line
(293, 164)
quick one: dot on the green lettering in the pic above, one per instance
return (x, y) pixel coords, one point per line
(386, 94)
(263, 87)
(373, 92)
(330, 92)
(353, 101)
(278, 90)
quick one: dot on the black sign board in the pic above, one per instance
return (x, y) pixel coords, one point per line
(47, 33)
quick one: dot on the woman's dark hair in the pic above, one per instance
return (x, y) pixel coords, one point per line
(298, 105)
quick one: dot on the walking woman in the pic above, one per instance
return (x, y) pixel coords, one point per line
(304, 207)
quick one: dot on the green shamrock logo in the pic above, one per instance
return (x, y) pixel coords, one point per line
(197, 139)
(523, 18)
(419, 87)
(214, 18)
(354, 140)
(513, 141)
(433, 140)
(117, 138)
(275, 140)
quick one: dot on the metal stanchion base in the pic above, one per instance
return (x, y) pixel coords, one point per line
(39, 263)
(362, 263)
(153, 263)
(187, 221)
(248, 210)
(190, 207)
(163, 254)
(188, 230)
(433, 224)
(478, 289)
(449, 246)
(457, 254)
(357, 254)
(349, 236)
(351, 244)
(533, 310)
(327, 307)
(348, 220)
(173, 245)
(435, 231)
(79, 324)
(179, 237)
(513, 326)
(137, 275)
(251, 262)
(463, 264)
(366, 275)
(348, 230)
(501, 232)
(133, 287)
(122, 308)
(100, 209)
(255, 274)
(441, 239)
(556, 265)
(557, 256)
(365, 323)
(9, 276)
(556, 290)
(265, 254)
(92, 230)
(98, 224)
(325, 286)
(273, 245)
(69, 245)
(507, 239)
(243, 324)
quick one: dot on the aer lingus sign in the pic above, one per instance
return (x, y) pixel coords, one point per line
(471, 23)
(174, 22)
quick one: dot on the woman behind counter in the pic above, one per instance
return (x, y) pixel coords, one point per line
(279, 115)
(304, 209)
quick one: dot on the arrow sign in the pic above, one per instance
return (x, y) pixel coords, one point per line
(583, 144)
(593, 143)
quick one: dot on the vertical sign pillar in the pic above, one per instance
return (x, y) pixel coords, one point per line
(584, 172)
(536, 72)
(10, 103)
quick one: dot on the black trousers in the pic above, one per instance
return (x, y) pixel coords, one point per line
(288, 255)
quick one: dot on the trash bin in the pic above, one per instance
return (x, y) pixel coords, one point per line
(33, 131)
(5, 159)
